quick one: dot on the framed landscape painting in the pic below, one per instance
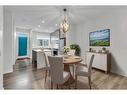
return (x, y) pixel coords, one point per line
(100, 38)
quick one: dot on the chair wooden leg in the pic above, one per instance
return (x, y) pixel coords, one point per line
(45, 75)
(49, 72)
(51, 85)
(89, 78)
(57, 86)
(73, 69)
(69, 83)
(60, 86)
(75, 81)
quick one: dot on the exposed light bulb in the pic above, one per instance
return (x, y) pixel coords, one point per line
(64, 25)
(39, 25)
(42, 21)
(56, 25)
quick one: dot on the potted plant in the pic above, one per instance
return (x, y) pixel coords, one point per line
(76, 48)
(103, 50)
(66, 49)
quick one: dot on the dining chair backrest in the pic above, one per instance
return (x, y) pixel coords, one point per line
(89, 65)
(45, 58)
(56, 68)
(71, 52)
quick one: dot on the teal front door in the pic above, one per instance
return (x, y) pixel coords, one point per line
(22, 44)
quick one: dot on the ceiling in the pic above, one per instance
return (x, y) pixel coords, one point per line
(48, 18)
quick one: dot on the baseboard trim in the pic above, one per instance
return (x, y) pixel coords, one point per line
(119, 73)
(8, 71)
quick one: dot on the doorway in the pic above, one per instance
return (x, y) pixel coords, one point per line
(22, 45)
(22, 51)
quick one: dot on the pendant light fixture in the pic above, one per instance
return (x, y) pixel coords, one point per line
(64, 25)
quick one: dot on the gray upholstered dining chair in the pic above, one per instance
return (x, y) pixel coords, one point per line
(82, 70)
(58, 75)
(47, 66)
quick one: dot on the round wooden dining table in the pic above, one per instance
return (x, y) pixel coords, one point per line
(68, 61)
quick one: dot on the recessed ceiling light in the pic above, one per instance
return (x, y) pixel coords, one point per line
(39, 25)
(42, 21)
(56, 25)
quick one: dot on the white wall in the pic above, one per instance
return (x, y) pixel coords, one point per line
(1, 47)
(8, 42)
(116, 21)
(71, 35)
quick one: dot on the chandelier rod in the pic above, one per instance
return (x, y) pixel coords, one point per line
(65, 13)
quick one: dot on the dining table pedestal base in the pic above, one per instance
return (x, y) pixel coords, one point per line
(70, 61)
(71, 80)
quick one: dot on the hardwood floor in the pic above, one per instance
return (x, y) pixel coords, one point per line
(26, 77)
